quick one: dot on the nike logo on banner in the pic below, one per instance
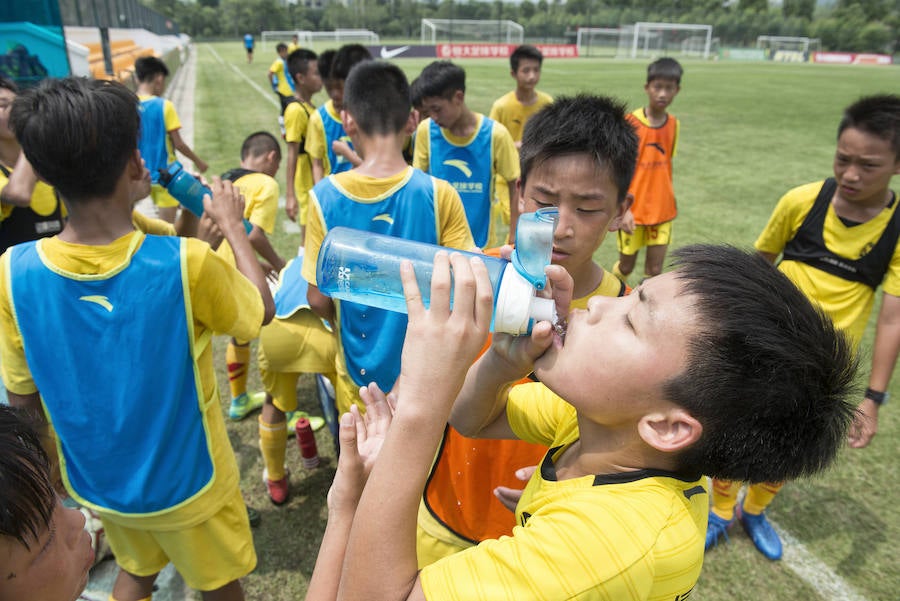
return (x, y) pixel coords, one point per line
(658, 147)
(100, 300)
(384, 217)
(459, 164)
(388, 54)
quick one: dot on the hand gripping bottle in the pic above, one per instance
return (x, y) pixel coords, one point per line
(364, 268)
(187, 189)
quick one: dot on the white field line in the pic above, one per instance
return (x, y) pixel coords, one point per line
(263, 93)
(812, 571)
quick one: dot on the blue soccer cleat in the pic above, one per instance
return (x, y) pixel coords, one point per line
(762, 534)
(716, 529)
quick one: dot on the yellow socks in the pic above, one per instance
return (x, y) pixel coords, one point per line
(236, 359)
(272, 444)
(759, 496)
(724, 496)
(618, 273)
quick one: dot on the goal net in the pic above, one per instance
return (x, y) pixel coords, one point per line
(598, 41)
(468, 30)
(665, 39)
(774, 44)
(309, 38)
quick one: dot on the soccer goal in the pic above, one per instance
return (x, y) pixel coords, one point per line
(272, 38)
(471, 30)
(308, 38)
(665, 39)
(774, 44)
(598, 41)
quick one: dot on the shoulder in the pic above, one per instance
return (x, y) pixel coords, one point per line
(544, 98)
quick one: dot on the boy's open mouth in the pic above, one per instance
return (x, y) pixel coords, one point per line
(560, 328)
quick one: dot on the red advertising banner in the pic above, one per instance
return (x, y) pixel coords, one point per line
(851, 58)
(502, 50)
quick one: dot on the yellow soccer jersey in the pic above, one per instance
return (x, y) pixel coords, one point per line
(151, 225)
(296, 123)
(849, 304)
(261, 194)
(627, 536)
(43, 200)
(284, 88)
(221, 300)
(171, 120)
(315, 136)
(513, 114)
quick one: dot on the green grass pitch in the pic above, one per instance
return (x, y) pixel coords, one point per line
(750, 131)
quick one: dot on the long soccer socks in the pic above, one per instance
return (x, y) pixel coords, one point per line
(273, 444)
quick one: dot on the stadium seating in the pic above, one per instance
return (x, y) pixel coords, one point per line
(124, 53)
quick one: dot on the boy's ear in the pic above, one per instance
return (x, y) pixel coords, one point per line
(349, 123)
(135, 165)
(616, 222)
(520, 194)
(670, 431)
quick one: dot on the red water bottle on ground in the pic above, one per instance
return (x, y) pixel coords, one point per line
(306, 440)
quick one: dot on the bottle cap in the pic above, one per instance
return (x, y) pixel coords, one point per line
(516, 307)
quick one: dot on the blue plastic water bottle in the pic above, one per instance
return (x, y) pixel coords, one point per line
(187, 189)
(363, 267)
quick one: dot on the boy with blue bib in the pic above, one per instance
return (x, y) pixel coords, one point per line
(149, 454)
(467, 149)
(386, 196)
(160, 136)
(325, 128)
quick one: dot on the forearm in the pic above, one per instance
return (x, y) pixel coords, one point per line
(263, 247)
(326, 577)
(290, 175)
(318, 170)
(392, 493)
(320, 304)
(20, 187)
(245, 260)
(482, 400)
(887, 343)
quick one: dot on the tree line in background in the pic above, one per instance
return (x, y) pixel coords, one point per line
(847, 25)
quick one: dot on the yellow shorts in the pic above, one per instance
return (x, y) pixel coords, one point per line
(208, 556)
(435, 541)
(289, 347)
(161, 197)
(644, 235)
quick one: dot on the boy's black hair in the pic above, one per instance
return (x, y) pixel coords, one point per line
(348, 56)
(259, 143)
(877, 115)
(526, 51)
(27, 499)
(376, 94)
(8, 84)
(148, 67)
(298, 61)
(768, 375)
(665, 68)
(77, 133)
(415, 93)
(441, 79)
(326, 60)
(583, 124)
(280, 46)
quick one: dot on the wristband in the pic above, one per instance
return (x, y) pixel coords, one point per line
(879, 398)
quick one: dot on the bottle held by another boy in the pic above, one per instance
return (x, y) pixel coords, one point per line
(364, 268)
(187, 189)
